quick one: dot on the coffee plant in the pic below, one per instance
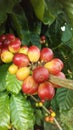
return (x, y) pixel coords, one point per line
(36, 71)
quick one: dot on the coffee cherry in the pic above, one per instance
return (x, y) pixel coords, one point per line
(1, 45)
(54, 66)
(29, 86)
(10, 37)
(42, 100)
(13, 69)
(6, 43)
(33, 53)
(46, 54)
(46, 114)
(2, 38)
(4, 48)
(40, 104)
(53, 114)
(14, 46)
(46, 91)
(6, 56)
(42, 39)
(40, 74)
(37, 104)
(21, 60)
(24, 50)
(47, 119)
(23, 73)
(51, 119)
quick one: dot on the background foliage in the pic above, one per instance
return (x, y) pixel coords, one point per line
(28, 20)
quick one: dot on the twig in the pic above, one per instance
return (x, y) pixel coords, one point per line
(34, 98)
(66, 83)
(56, 122)
(58, 125)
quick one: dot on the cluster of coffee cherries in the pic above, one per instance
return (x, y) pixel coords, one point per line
(50, 117)
(32, 66)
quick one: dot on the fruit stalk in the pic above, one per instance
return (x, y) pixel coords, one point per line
(56, 122)
(66, 83)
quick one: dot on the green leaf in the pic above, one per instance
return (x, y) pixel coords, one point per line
(35, 40)
(54, 31)
(20, 24)
(70, 44)
(6, 7)
(39, 7)
(68, 8)
(4, 111)
(22, 115)
(67, 118)
(35, 27)
(3, 18)
(3, 73)
(66, 34)
(54, 105)
(64, 98)
(65, 52)
(2, 28)
(13, 85)
(39, 117)
(46, 11)
(52, 9)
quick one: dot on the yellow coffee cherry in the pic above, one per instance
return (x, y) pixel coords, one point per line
(13, 69)
(24, 50)
(40, 104)
(53, 114)
(7, 56)
(23, 73)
